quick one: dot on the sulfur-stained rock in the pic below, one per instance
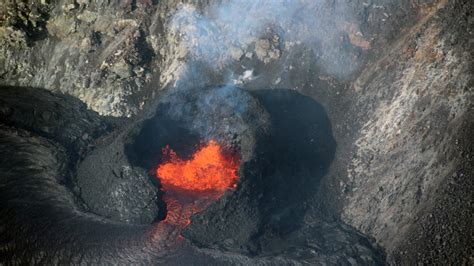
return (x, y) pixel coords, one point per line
(266, 50)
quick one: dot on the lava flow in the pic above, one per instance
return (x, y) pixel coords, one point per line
(191, 185)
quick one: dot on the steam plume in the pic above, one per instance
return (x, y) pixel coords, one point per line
(222, 33)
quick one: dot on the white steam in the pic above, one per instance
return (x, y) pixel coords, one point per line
(264, 30)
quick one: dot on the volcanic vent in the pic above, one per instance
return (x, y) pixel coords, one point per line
(238, 169)
(194, 145)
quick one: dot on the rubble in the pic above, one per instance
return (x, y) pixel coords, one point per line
(267, 50)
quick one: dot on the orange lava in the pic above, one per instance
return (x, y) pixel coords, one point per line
(209, 169)
(191, 185)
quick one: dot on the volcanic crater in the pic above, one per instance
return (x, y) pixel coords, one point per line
(236, 132)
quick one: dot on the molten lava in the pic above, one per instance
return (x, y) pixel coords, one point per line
(191, 185)
(209, 169)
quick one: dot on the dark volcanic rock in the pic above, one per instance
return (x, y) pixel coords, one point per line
(121, 193)
(53, 116)
(114, 189)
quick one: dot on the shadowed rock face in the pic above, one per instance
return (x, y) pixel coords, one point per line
(399, 103)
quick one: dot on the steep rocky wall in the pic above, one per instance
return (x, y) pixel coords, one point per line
(419, 101)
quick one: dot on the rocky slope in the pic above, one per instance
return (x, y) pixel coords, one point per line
(412, 150)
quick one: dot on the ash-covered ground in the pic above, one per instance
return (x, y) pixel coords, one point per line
(394, 79)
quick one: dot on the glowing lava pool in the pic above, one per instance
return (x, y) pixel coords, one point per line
(209, 169)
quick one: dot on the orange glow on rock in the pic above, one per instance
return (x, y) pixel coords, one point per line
(209, 169)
